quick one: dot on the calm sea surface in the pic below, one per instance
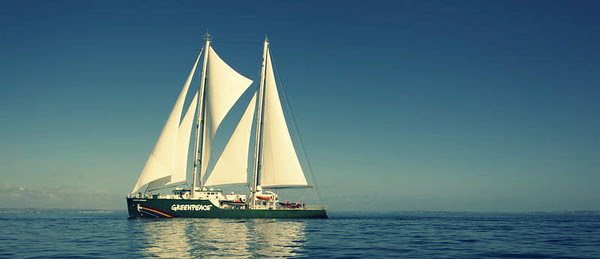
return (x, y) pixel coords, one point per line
(109, 234)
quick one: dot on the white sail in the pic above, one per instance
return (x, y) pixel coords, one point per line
(232, 165)
(279, 163)
(160, 164)
(183, 143)
(223, 88)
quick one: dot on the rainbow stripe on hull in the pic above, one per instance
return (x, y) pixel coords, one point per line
(153, 212)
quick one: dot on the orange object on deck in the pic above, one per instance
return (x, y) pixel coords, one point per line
(264, 198)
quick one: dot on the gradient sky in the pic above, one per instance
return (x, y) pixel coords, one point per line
(402, 105)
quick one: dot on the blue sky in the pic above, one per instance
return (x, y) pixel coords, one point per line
(402, 105)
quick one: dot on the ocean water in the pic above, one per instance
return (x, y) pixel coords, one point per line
(110, 234)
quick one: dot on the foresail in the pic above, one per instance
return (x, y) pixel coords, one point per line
(279, 163)
(223, 88)
(161, 162)
(232, 165)
(183, 143)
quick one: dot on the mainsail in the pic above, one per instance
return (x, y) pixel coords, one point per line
(161, 163)
(279, 163)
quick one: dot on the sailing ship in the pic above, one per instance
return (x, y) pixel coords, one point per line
(275, 163)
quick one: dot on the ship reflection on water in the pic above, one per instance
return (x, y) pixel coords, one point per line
(192, 238)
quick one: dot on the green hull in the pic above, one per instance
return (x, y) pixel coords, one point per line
(179, 208)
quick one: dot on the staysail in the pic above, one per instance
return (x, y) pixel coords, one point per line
(161, 163)
(232, 165)
(223, 88)
(279, 163)
(183, 144)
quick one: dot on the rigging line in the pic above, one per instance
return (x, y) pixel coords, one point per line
(287, 104)
(303, 197)
(239, 42)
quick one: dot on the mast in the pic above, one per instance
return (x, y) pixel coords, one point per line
(259, 122)
(198, 147)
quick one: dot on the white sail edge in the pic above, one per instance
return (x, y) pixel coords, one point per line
(163, 183)
(158, 183)
(302, 186)
(224, 86)
(232, 166)
(161, 161)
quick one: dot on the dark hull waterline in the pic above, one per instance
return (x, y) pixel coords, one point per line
(182, 208)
